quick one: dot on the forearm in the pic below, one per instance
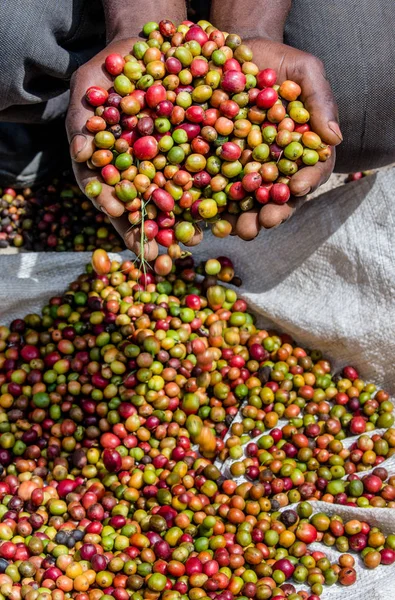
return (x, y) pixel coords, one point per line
(125, 18)
(251, 19)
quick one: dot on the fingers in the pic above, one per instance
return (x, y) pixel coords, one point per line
(272, 215)
(106, 201)
(302, 183)
(196, 239)
(318, 98)
(308, 179)
(82, 146)
(132, 238)
(149, 251)
(247, 225)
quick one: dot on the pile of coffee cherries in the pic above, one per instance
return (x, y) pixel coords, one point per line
(117, 408)
(295, 464)
(55, 217)
(191, 128)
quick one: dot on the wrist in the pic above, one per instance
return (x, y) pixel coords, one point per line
(126, 18)
(119, 26)
(263, 20)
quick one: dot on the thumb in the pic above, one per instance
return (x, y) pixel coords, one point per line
(81, 147)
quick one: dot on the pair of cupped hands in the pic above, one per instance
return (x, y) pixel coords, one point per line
(288, 62)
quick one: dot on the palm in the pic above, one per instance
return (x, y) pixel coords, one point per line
(317, 96)
(93, 73)
(289, 64)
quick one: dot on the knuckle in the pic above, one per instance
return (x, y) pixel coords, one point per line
(73, 81)
(311, 64)
(319, 65)
(71, 116)
(315, 63)
(76, 76)
(326, 174)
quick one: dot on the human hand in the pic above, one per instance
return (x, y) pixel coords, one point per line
(288, 62)
(308, 72)
(82, 145)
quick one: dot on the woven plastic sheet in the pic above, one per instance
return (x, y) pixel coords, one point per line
(327, 277)
(377, 584)
(371, 585)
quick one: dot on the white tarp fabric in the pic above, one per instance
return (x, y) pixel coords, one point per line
(327, 277)
(371, 585)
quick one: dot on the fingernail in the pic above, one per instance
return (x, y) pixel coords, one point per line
(304, 192)
(280, 223)
(77, 145)
(99, 207)
(333, 126)
(105, 211)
